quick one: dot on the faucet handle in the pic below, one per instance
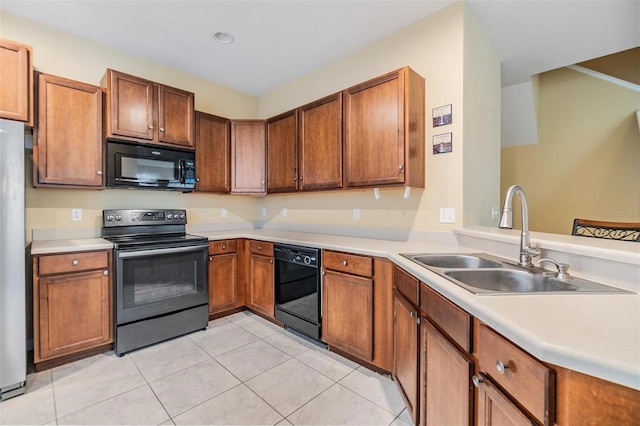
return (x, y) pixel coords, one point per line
(562, 268)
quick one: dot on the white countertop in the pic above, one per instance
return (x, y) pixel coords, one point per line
(596, 334)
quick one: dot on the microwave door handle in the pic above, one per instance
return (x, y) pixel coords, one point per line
(181, 171)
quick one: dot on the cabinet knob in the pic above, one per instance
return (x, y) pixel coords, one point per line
(75, 262)
(210, 258)
(224, 246)
(501, 367)
(150, 127)
(105, 272)
(295, 179)
(411, 314)
(400, 167)
(260, 248)
(162, 129)
(263, 182)
(99, 172)
(344, 263)
(197, 179)
(477, 380)
(270, 260)
(300, 177)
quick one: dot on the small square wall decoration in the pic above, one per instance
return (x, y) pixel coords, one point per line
(442, 143)
(442, 115)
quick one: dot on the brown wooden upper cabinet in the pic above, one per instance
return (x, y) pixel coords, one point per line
(148, 112)
(384, 131)
(16, 81)
(248, 157)
(213, 153)
(68, 139)
(282, 152)
(304, 147)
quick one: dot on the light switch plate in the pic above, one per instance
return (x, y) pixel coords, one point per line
(447, 215)
(76, 215)
(223, 212)
(263, 211)
(284, 211)
(356, 214)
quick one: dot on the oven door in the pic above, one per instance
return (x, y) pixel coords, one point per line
(159, 280)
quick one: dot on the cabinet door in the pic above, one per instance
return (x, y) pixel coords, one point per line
(176, 116)
(74, 313)
(320, 142)
(447, 397)
(16, 81)
(131, 106)
(248, 157)
(374, 132)
(213, 153)
(282, 153)
(494, 408)
(69, 134)
(347, 313)
(384, 131)
(261, 274)
(405, 359)
(223, 272)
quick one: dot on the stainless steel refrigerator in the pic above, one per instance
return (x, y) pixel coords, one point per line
(13, 340)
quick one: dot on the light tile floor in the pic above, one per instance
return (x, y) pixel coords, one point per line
(241, 370)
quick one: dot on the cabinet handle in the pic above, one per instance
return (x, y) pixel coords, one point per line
(501, 367)
(162, 129)
(344, 263)
(150, 127)
(105, 272)
(477, 380)
(75, 262)
(99, 172)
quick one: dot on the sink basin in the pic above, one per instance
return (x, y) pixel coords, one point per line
(514, 281)
(453, 261)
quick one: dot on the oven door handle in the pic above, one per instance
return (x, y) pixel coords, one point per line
(140, 253)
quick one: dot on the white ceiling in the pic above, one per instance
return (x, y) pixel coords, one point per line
(279, 41)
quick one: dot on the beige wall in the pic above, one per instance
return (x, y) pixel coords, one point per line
(79, 59)
(447, 49)
(451, 53)
(586, 163)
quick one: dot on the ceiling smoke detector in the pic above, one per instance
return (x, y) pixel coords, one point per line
(222, 37)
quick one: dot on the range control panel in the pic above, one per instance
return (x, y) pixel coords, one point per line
(112, 218)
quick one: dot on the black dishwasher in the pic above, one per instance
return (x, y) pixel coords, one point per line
(297, 288)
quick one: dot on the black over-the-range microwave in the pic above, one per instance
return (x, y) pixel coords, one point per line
(132, 165)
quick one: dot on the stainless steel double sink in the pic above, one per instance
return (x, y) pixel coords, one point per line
(484, 274)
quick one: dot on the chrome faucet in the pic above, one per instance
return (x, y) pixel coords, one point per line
(506, 222)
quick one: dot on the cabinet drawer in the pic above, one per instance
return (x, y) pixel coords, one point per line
(448, 317)
(349, 263)
(223, 246)
(261, 247)
(72, 262)
(406, 284)
(528, 381)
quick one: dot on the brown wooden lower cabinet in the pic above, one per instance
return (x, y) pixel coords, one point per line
(225, 291)
(406, 355)
(494, 408)
(72, 303)
(447, 394)
(261, 277)
(347, 319)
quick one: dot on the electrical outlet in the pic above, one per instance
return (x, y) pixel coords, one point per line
(263, 212)
(356, 214)
(223, 212)
(494, 212)
(76, 215)
(284, 211)
(447, 215)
